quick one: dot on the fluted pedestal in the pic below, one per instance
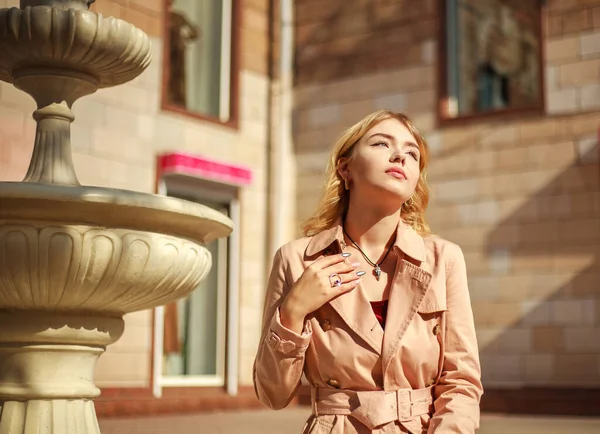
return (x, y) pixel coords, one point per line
(49, 417)
(47, 366)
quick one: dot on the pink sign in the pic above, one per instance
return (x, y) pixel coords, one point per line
(184, 164)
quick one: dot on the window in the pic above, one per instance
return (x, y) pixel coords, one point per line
(194, 327)
(196, 340)
(200, 74)
(491, 60)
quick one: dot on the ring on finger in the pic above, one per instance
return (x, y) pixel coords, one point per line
(335, 280)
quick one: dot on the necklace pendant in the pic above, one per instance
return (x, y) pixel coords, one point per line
(377, 272)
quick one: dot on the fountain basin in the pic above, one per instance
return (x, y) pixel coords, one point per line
(100, 250)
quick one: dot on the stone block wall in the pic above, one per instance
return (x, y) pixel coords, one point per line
(117, 134)
(573, 56)
(519, 194)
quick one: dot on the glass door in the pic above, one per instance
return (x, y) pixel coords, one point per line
(194, 337)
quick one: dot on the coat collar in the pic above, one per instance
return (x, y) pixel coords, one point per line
(408, 241)
(409, 288)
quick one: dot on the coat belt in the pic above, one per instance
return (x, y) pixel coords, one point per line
(373, 408)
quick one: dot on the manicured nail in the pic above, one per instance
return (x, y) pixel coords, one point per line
(345, 255)
(361, 273)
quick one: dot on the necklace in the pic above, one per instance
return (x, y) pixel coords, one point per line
(377, 269)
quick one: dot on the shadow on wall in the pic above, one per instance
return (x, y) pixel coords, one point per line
(538, 310)
(339, 39)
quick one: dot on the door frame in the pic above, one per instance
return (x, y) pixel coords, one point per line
(227, 194)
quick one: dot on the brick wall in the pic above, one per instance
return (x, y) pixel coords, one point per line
(147, 15)
(573, 63)
(520, 195)
(254, 33)
(337, 39)
(116, 136)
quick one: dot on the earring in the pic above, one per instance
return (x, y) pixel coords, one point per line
(346, 184)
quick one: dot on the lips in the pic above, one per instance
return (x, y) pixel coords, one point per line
(396, 172)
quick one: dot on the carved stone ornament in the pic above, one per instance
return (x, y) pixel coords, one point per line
(105, 51)
(57, 56)
(74, 259)
(91, 269)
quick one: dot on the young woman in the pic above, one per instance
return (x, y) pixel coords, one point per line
(369, 305)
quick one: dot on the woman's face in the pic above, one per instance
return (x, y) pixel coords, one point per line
(385, 165)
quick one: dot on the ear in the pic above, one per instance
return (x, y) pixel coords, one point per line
(343, 168)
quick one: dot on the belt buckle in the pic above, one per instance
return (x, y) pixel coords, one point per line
(404, 405)
(376, 408)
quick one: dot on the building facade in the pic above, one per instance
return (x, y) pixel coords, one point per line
(508, 95)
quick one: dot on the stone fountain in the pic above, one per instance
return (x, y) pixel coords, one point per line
(75, 259)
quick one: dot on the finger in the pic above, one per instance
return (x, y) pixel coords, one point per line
(341, 267)
(327, 261)
(336, 280)
(346, 287)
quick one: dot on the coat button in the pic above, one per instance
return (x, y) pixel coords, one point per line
(325, 325)
(436, 330)
(334, 383)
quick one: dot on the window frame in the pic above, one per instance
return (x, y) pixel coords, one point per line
(443, 97)
(234, 73)
(174, 185)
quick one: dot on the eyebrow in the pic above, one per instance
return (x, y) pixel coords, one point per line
(393, 139)
(387, 136)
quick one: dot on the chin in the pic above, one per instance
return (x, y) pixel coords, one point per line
(391, 196)
(396, 190)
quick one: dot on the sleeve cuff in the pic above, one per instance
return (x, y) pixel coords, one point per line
(287, 341)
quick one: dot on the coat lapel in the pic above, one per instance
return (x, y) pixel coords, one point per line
(409, 288)
(354, 308)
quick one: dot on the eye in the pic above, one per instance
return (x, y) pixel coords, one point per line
(414, 154)
(381, 144)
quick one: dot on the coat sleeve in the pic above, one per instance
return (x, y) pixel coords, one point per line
(458, 392)
(279, 361)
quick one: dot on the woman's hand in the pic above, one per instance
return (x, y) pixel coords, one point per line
(316, 287)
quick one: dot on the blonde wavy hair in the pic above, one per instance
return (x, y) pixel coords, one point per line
(335, 198)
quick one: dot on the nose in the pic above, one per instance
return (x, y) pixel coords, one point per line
(397, 156)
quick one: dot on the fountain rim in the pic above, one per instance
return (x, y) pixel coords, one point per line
(112, 209)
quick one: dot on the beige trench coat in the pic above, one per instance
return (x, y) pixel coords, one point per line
(421, 376)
